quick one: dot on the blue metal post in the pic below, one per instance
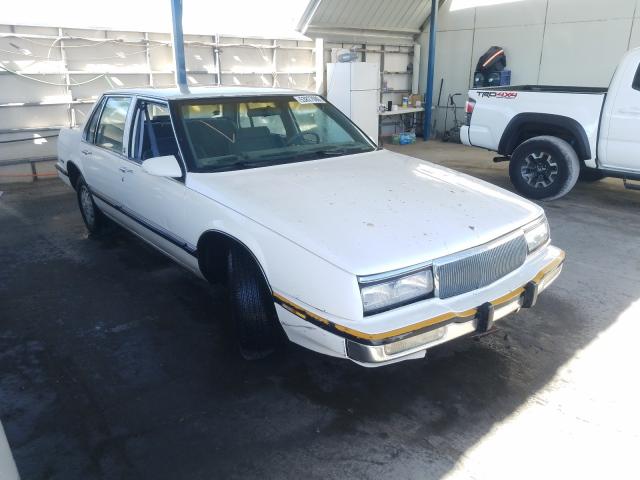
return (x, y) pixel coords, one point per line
(428, 107)
(178, 43)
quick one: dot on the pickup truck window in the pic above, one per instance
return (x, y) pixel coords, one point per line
(152, 134)
(239, 133)
(636, 80)
(110, 133)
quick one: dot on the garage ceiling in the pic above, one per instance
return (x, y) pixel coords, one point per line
(365, 20)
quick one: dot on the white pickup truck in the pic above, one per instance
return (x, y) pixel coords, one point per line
(348, 249)
(551, 135)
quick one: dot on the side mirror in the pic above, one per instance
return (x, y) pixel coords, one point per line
(166, 166)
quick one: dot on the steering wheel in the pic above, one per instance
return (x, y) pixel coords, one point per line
(301, 136)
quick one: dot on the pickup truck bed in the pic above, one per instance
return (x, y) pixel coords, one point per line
(553, 134)
(548, 89)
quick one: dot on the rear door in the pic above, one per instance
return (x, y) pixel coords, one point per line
(623, 132)
(104, 149)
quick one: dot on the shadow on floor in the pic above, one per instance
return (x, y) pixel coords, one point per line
(115, 363)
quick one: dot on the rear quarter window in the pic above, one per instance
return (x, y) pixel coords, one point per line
(636, 80)
(90, 130)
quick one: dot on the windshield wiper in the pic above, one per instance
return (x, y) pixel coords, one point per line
(240, 165)
(338, 151)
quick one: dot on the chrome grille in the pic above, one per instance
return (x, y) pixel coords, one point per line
(480, 267)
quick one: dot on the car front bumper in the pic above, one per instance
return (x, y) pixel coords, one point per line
(412, 341)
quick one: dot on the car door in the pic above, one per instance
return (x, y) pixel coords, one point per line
(623, 133)
(103, 150)
(155, 204)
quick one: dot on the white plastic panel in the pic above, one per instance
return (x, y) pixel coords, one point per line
(522, 46)
(586, 42)
(31, 117)
(452, 63)
(579, 10)
(14, 89)
(511, 13)
(199, 59)
(634, 41)
(453, 18)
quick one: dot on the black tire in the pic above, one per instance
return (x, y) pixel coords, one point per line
(590, 175)
(93, 218)
(544, 168)
(252, 307)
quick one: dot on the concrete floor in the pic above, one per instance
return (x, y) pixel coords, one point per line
(115, 363)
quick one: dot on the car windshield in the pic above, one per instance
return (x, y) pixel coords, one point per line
(250, 132)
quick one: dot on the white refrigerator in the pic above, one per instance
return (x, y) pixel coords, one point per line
(355, 89)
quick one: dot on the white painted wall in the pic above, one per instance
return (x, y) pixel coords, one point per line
(551, 42)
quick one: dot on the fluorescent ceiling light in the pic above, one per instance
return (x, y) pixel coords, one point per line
(464, 4)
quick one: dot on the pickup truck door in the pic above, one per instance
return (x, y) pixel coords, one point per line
(155, 204)
(622, 151)
(103, 150)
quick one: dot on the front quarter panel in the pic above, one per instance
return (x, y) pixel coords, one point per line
(291, 270)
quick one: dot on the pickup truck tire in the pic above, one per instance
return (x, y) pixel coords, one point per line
(544, 168)
(252, 308)
(93, 218)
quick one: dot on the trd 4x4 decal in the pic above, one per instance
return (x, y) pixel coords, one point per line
(507, 95)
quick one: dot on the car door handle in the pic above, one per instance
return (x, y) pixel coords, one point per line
(125, 170)
(86, 152)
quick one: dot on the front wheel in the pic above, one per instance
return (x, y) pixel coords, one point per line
(544, 168)
(91, 215)
(252, 307)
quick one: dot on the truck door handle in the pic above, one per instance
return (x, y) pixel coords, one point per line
(86, 152)
(125, 170)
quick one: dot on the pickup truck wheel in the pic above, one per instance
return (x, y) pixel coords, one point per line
(544, 168)
(252, 308)
(91, 215)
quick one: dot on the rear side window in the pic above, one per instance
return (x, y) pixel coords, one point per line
(110, 132)
(90, 131)
(636, 80)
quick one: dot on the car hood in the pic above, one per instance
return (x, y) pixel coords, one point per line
(371, 212)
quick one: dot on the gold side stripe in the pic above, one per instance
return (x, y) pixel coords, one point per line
(301, 312)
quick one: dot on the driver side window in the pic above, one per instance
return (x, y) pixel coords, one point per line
(152, 134)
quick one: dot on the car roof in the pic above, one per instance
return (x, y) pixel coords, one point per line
(176, 93)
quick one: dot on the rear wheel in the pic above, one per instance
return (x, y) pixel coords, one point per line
(252, 308)
(93, 218)
(544, 168)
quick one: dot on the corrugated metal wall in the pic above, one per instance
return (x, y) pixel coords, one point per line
(50, 77)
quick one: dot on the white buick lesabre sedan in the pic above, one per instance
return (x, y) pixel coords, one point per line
(345, 248)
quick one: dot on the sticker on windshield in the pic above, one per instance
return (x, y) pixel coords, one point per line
(309, 99)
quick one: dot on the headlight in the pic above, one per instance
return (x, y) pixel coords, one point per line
(380, 294)
(537, 234)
